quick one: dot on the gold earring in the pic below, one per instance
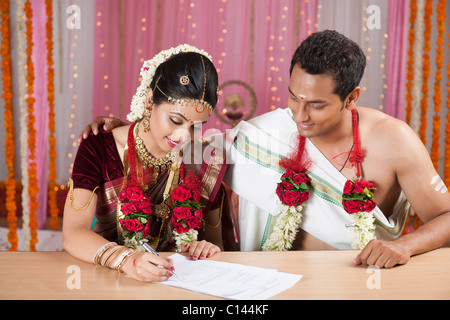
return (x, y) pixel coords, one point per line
(147, 115)
(146, 124)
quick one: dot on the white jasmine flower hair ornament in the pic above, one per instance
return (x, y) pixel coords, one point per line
(148, 72)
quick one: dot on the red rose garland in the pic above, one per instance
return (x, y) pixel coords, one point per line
(293, 189)
(357, 201)
(187, 215)
(357, 197)
(135, 206)
(293, 192)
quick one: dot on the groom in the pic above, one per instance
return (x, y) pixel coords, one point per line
(324, 89)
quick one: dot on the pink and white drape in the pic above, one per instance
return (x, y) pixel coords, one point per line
(250, 41)
(97, 63)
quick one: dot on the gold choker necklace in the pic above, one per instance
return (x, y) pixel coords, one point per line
(146, 158)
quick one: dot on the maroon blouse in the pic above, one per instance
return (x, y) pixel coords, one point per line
(98, 164)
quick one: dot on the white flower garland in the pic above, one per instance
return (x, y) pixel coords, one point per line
(148, 72)
(289, 219)
(132, 243)
(21, 61)
(285, 229)
(181, 239)
(362, 229)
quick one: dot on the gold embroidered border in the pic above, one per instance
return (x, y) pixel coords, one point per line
(211, 174)
(109, 195)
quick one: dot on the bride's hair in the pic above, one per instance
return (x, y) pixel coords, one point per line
(185, 64)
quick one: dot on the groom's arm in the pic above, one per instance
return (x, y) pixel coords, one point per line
(427, 195)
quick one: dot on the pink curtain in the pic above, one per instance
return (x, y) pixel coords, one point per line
(397, 46)
(251, 43)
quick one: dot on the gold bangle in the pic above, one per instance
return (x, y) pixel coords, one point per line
(101, 251)
(111, 259)
(105, 258)
(123, 258)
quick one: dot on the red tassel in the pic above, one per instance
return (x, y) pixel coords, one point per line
(357, 154)
(298, 160)
(132, 177)
(192, 181)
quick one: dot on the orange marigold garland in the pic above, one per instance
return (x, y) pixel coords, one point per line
(410, 70)
(52, 190)
(434, 152)
(32, 171)
(410, 73)
(7, 95)
(426, 70)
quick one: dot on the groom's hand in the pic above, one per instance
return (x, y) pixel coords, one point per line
(383, 254)
(108, 123)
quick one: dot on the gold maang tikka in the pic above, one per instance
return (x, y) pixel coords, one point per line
(200, 104)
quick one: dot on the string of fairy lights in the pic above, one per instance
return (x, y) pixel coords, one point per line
(102, 54)
(275, 77)
(276, 48)
(72, 86)
(382, 58)
(376, 56)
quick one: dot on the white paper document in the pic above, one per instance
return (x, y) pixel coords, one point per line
(229, 280)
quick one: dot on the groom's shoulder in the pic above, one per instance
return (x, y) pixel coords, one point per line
(269, 118)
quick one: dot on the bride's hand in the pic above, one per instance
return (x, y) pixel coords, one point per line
(145, 266)
(200, 249)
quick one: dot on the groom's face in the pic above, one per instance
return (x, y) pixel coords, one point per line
(316, 109)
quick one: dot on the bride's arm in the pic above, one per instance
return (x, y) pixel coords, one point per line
(78, 239)
(81, 242)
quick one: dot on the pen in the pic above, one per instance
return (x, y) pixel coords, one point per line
(153, 251)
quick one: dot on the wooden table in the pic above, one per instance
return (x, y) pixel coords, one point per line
(326, 275)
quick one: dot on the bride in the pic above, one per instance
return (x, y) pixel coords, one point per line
(138, 183)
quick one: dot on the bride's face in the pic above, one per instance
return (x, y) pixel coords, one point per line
(172, 124)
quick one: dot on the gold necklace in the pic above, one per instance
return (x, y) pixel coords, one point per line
(146, 158)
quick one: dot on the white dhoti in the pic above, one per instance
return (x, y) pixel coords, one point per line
(256, 147)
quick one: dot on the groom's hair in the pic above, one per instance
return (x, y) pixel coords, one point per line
(331, 53)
